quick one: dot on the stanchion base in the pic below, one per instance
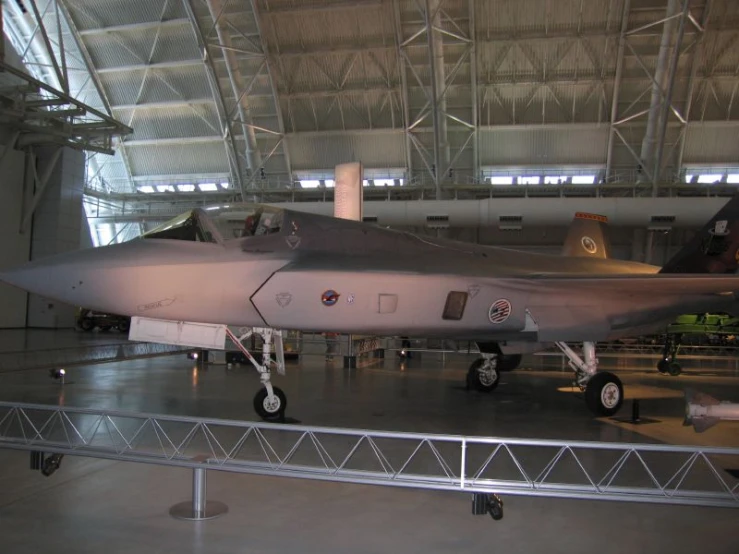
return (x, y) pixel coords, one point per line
(184, 510)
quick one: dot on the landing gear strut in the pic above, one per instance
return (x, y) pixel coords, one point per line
(483, 374)
(668, 363)
(270, 402)
(604, 392)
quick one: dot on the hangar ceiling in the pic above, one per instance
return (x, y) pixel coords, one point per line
(259, 94)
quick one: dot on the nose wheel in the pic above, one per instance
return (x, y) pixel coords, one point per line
(270, 402)
(270, 409)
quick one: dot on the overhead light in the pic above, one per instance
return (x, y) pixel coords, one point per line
(208, 187)
(165, 188)
(186, 188)
(147, 189)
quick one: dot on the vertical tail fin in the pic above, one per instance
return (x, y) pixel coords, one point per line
(587, 237)
(714, 249)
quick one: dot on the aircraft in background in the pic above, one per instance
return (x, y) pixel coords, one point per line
(264, 269)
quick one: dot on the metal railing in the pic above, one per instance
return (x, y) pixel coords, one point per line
(654, 473)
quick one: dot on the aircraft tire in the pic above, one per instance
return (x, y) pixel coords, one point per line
(87, 324)
(478, 381)
(124, 326)
(662, 366)
(604, 394)
(267, 412)
(674, 369)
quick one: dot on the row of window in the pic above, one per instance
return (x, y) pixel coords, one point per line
(692, 177)
(202, 187)
(538, 179)
(330, 183)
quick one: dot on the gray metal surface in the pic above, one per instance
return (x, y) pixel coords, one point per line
(655, 473)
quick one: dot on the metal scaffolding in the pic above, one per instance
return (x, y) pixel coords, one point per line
(654, 473)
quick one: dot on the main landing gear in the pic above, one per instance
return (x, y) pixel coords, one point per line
(668, 364)
(270, 402)
(484, 373)
(604, 392)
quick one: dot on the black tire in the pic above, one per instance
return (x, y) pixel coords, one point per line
(604, 394)
(274, 414)
(674, 369)
(124, 326)
(663, 366)
(473, 378)
(87, 324)
(104, 327)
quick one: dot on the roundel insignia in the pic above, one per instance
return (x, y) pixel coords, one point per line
(330, 297)
(589, 245)
(499, 311)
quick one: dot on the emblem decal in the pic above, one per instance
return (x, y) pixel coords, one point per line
(283, 298)
(330, 297)
(589, 245)
(499, 311)
(473, 290)
(292, 241)
(350, 299)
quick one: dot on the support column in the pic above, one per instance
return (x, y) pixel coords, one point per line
(200, 508)
(659, 85)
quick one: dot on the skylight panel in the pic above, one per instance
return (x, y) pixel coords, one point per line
(530, 180)
(208, 187)
(146, 189)
(165, 188)
(186, 188)
(583, 179)
(710, 178)
(555, 180)
(310, 183)
(507, 180)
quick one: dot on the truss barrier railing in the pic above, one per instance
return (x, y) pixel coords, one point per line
(81, 355)
(653, 473)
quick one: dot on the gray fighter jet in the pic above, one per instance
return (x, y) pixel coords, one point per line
(268, 269)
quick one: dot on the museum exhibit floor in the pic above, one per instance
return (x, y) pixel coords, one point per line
(96, 506)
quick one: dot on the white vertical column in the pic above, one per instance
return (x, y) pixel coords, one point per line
(348, 193)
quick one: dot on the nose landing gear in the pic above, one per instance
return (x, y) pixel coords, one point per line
(270, 402)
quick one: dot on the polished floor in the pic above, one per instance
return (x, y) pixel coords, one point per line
(95, 506)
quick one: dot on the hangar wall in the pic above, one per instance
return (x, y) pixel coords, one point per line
(57, 228)
(14, 246)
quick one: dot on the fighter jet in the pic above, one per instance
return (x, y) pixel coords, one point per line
(264, 269)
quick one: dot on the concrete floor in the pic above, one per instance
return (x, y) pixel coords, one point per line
(93, 505)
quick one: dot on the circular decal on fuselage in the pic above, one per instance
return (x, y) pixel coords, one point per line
(589, 245)
(499, 311)
(330, 298)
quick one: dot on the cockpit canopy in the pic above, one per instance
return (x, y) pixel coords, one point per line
(218, 224)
